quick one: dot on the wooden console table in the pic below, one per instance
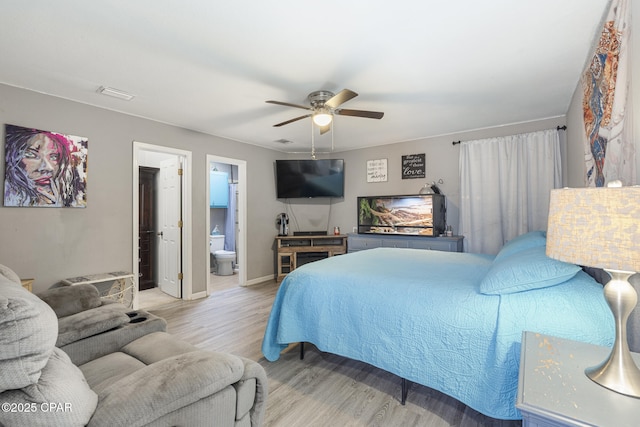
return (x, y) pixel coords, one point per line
(289, 247)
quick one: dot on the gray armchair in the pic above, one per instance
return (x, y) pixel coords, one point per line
(123, 379)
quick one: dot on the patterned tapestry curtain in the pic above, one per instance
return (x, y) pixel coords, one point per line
(504, 187)
(609, 150)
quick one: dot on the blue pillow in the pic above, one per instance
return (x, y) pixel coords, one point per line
(525, 270)
(528, 240)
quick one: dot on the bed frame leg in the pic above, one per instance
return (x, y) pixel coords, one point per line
(301, 350)
(405, 391)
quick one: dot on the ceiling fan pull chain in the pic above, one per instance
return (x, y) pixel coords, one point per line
(332, 127)
(313, 146)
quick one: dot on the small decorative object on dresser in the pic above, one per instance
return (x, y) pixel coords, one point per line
(553, 390)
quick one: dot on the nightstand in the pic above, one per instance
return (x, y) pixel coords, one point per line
(27, 284)
(554, 391)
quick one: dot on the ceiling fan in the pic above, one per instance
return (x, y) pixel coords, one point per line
(324, 104)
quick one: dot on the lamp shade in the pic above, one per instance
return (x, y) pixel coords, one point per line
(595, 227)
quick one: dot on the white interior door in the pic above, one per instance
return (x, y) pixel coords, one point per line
(169, 203)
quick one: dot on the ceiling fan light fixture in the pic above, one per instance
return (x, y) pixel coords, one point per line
(322, 118)
(323, 105)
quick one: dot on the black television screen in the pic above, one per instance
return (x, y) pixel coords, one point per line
(309, 178)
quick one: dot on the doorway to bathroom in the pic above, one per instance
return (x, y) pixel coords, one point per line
(226, 223)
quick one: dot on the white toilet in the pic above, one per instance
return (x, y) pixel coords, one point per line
(224, 259)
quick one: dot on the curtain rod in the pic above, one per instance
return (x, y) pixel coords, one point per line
(557, 128)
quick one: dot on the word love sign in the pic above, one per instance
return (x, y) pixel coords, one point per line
(413, 166)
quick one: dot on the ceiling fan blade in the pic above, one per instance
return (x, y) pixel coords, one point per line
(292, 120)
(287, 104)
(325, 129)
(360, 113)
(340, 98)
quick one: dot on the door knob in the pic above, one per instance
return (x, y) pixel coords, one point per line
(161, 234)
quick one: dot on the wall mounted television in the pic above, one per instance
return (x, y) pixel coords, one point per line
(309, 178)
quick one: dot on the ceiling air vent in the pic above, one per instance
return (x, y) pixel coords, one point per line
(116, 93)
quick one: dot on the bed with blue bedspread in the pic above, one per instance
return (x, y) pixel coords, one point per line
(449, 321)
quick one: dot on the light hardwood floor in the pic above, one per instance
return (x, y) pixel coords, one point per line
(321, 390)
(154, 297)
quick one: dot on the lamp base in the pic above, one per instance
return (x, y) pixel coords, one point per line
(621, 377)
(619, 372)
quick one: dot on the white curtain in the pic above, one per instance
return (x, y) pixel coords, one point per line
(504, 187)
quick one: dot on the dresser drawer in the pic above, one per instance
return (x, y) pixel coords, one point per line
(356, 243)
(436, 245)
(395, 243)
(359, 242)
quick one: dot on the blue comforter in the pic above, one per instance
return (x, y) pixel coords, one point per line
(419, 314)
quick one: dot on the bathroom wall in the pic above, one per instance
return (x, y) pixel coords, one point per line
(218, 216)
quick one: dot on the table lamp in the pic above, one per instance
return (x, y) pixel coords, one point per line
(600, 227)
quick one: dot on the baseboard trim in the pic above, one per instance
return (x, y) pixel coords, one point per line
(198, 295)
(259, 280)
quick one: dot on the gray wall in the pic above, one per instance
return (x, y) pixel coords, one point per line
(52, 244)
(441, 163)
(635, 81)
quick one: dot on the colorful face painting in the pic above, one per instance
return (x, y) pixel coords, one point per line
(43, 168)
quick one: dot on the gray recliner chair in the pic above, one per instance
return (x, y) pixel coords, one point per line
(123, 378)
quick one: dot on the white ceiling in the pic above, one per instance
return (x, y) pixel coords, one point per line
(433, 67)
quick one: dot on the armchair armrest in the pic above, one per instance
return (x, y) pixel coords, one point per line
(95, 346)
(166, 386)
(68, 300)
(253, 402)
(90, 322)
